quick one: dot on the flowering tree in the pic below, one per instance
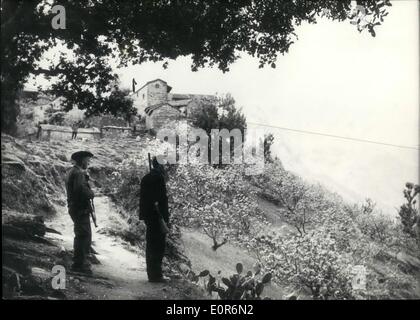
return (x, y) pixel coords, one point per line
(303, 204)
(216, 200)
(311, 261)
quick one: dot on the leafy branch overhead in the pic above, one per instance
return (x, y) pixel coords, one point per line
(132, 32)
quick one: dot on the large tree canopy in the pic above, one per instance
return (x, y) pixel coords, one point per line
(212, 32)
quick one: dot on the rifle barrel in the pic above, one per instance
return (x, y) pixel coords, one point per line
(150, 162)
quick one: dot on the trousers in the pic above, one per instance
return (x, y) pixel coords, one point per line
(82, 237)
(155, 250)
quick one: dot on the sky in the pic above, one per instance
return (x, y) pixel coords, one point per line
(333, 80)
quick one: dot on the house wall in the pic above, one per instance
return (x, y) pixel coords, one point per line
(157, 92)
(140, 100)
(151, 94)
(161, 116)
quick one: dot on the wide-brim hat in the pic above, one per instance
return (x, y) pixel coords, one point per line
(77, 156)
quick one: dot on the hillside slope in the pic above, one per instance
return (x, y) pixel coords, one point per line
(207, 205)
(32, 187)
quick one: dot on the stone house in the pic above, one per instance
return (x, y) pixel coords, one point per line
(159, 115)
(158, 105)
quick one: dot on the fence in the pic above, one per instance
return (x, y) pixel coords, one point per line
(51, 132)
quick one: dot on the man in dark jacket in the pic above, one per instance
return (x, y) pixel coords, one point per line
(79, 197)
(153, 208)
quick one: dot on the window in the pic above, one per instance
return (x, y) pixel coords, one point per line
(157, 85)
(143, 96)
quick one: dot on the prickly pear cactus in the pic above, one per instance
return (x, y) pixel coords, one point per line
(238, 286)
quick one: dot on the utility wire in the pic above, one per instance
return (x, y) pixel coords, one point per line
(334, 136)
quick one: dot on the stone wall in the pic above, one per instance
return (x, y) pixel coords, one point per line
(51, 132)
(161, 116)
(157, 93)
(116, 132)
(151, 94)
(140, 100)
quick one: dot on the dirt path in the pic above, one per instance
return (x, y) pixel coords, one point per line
(121, 273)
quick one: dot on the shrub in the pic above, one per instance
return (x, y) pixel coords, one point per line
(408, 211)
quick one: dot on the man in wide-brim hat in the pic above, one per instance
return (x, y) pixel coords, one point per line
(79, 196)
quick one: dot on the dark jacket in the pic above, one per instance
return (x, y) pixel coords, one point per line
(153, 189)
(75, 127)
(78, 190)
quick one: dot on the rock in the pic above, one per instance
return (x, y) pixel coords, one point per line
(8, 159)
(40, 273)
(11, 157)
(184, 268)
(50, 230)
(61, 202)
(14, 164)
(62, 251)
(23, 226)
(291, 296)
(93, 259)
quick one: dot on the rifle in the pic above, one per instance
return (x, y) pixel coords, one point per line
(92, 205)
(162, 224)
(92, 213)
(150, 162)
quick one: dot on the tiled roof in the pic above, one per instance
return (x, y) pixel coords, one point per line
(169, 88)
